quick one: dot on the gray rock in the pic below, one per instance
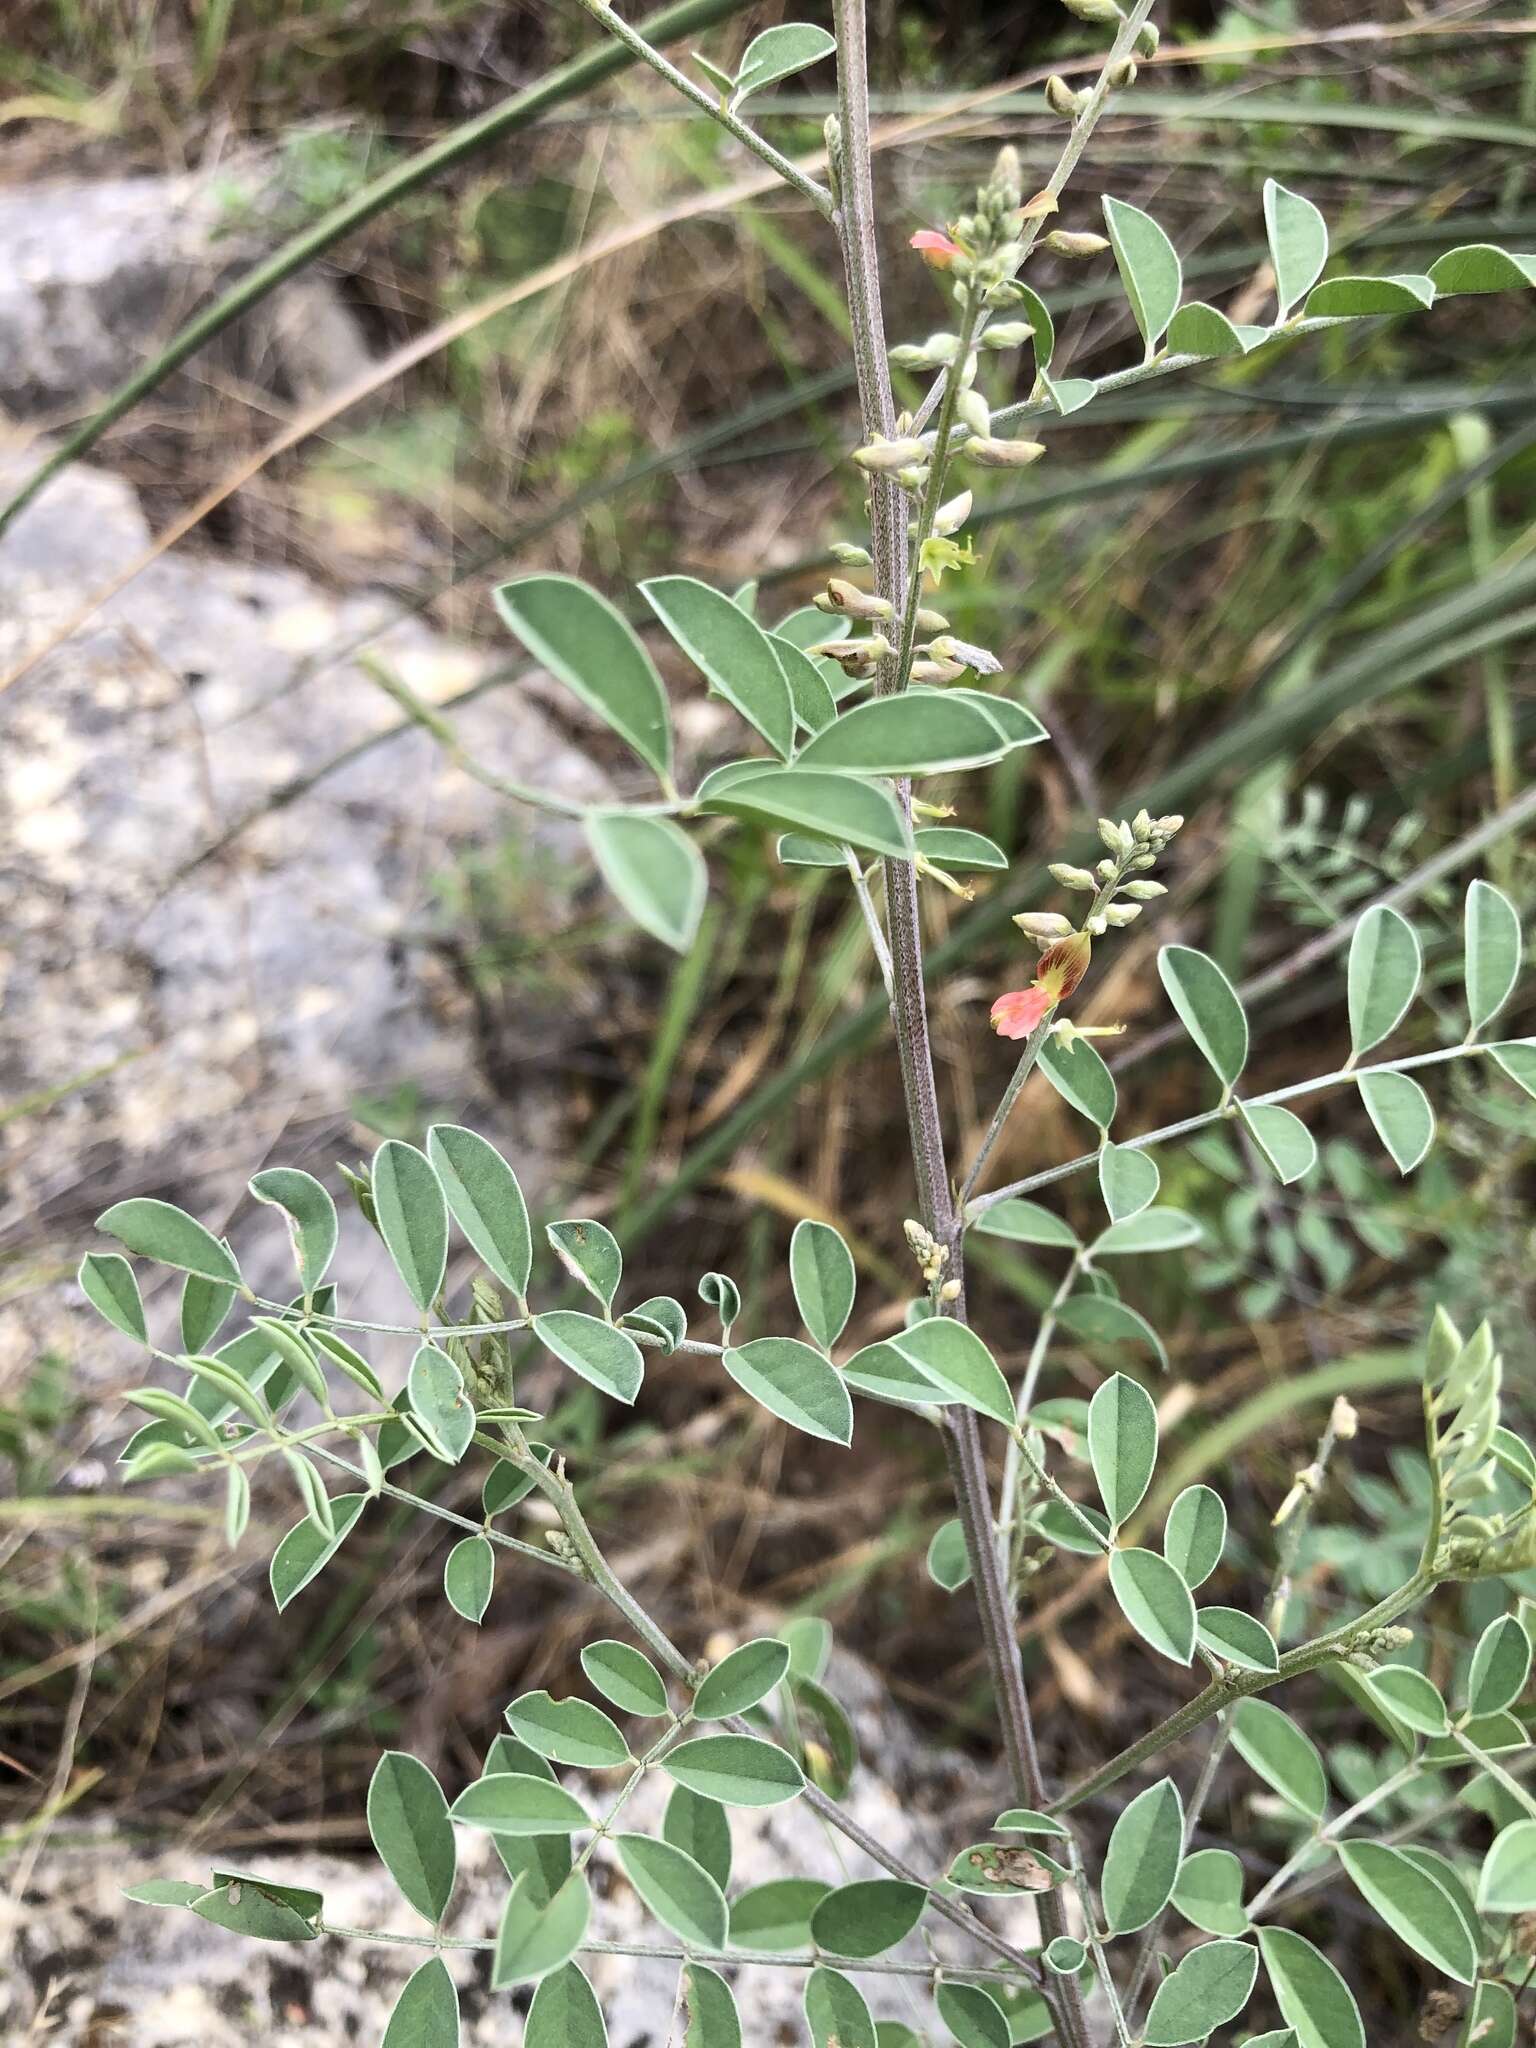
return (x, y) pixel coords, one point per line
(234, 1008)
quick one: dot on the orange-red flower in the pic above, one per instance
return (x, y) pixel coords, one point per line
(1062, 967)
(936, 250)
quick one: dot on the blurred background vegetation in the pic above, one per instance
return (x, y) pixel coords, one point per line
(1291, 597)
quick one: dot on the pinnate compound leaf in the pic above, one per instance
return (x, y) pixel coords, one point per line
(1155, 1601)
(590, 1253)
(747, 1675)
(654, 869)
(571, 1731)
(604, 1356)
(108, 1283)
(581, 639)
(1385, 963)
(1122, 1444)
(822, 1274)
(1286, 1759)
(681, 1894)
(469, 1576)
(1195, 1534)
(487, 1203)
(1237, 1638)
(839, 807)
(867, 1917)
(1401, 1113)
(1298, 244)
(1508, 1880)
(408, 1821)
(538, 1935)
(1149, 267)
(1283, 1138)
(1481, 267)
(159, 1231)
(1208, 1008)
(778, 53)
(304, 1553)
(440, 1403)
(920, 732)
(1501, 1664)
(1209, 1892)
(1494, 947)
(1414, 1904)
(426, 2013)
(775, 1917)
(1128, 1180)
(959, 1365)
(1209, 1989)
(730, 650)
(312, 1221)
(974, 2017)
(1080, 1078)
(836, 2013)
(1313, 1998)
(737, 1770)
(1142, 1860)
(413, 1218)
(626, 1676)
(565, 2013)
(795, 1383)
(517, 1802)
(709, 2010)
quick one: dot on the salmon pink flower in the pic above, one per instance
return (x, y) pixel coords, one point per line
(936, 250)
(1062, 967)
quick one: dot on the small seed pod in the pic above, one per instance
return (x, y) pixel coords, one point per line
(989, 454)
(1005, 293)
(884, 458)
(1069, 243)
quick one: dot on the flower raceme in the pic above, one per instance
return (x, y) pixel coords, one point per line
(1061, 968)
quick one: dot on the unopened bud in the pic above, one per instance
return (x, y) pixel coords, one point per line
(973, 411)
(1007, 334)
(952, 515)
(937, 671)
(1121, 914)
(1106, 870)
(849, 556)
(1172, 823)
(1122, 75)
(1344, 1421)
(1070, 243)
(1141, 825)
(881, 458)
(914, 479)
(982, 659)
(1147, 39)
(1062, 100)
(1072, 878)
(950, 1291)
(1143, 892)
(1043, 924)
(1006, 183)
(990, 454)
(852, 602)
(1116, 837)
(1094, 10)
(931, 622)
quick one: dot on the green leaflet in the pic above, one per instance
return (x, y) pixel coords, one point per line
(654, 869)
(1200, 330)
(1155, 1601)
(1401, 1113)
(580, 638)
(710, 2010)
(796, 1384)
(1080, 1078)
(822, 801)
(413, 1218)
(565, 2013)
(920, 732)
(1481, 267)
(312, 1221)
(1360, 297)
(731, 650)
(108, 1283)
(1208, 1008)
(679, 1891)
(1493, 950)
(1508, 1880)
(1154, 1230)
(440, 1404)
(486, 1201)
(1313, 1998)
(1409, 1696)
(975, 2018)
(775, 1917)
(157, 1230)
(536, 1936)
(1142, 1860)
(1027, 1223)
(1385, 963)
(590, 1253)
(469, 1575)
(408, 1821)
(741, 1679)
(1501, 1664)
(1128, 1180)
(426, 2013)
(867, 1917)
(1209, 1892)
(1236, 1638)
(304, 1553)
(778, 53)
(1209, 1988)
(1298, 244)
(1414, 1904)
(1195, 1534)
(836, 2013)
(515, 1803)
(1285, 1758)
(1283, 1138)
(958, 1363)
(738, 1770)
(948, 1561)
(571, 1731)
(1148, 265)
(626, 1676)
(1122, 1444)
(606, 1357)
(821, 1272)
(703, 1828)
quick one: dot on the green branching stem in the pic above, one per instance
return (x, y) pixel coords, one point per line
(1008, 1500)
(1187, 1126)
(1326, 1837)
(1222, 1693)
(634, 41)
(1010, 1095)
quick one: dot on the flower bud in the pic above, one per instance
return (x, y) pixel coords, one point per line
(1094, 10)
(852, 602)
(1065, 242)
(952, 515)
(1122, 75)
(1117, 838)
(1072, 878)
(914, 478)
(972, 409)
(1172, 823)
(1007, 175)
(849, 556)
(1147, 39)
(1143, 892)
(1119, 915)
(1062, 100)
(1007, 334)
(1106, 870)
(882, 458)
(931, 622)
(1043, 924)
(937, 671)
(948, 648)
(1141, 824)
(989, 454)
